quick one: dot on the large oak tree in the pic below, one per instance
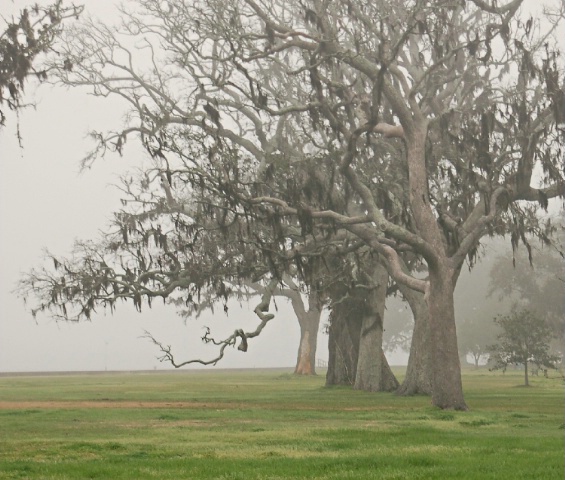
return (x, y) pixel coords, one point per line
(410, 126)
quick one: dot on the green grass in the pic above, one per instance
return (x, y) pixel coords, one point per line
(272, 425)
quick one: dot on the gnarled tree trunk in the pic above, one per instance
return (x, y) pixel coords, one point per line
(343, 346)
(373, 373)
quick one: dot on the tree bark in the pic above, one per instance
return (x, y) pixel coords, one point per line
(447, 388)
(418, 378)
(373, 373)
(306, 361)
(309, 324)
(309, 321)
(343, 346)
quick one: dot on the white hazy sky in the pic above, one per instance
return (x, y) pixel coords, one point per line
(46, 203)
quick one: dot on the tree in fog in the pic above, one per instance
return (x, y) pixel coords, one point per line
(475, 335)
(152, 250)
(536, 284)
(413, 128)
(524, 340)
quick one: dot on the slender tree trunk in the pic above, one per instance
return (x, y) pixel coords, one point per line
(526, 379)
(309, 321)
(373, 372)
(418, 379)
(309, 324)
(447, 388)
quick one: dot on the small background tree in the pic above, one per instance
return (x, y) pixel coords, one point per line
(475, 334)
(538, 286)
(524, 339)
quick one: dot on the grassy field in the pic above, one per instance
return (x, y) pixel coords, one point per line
(252, 425)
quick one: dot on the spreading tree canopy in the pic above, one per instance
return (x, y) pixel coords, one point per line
(524, 340)
(411, 127)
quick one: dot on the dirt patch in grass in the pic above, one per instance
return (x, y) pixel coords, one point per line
(70, 404)
(73, 404)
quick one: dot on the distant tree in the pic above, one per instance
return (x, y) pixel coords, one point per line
(524, 339)
(308, 314)
(476, 306)
(399, 325)
(538, 286)
(21, 42)
(474, 336)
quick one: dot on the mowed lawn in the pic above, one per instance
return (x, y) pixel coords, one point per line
(261, 424)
